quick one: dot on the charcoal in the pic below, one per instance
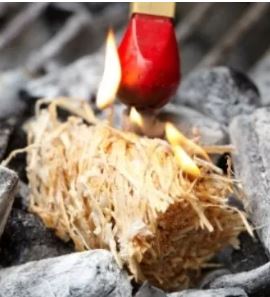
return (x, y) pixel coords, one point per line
(250, 255)
(26, 239)
(92, 274)
(220, 93)
(251, 138)
(21, 200)
(210, 276)
(255, 282)
(10, 84)
(8, 183)
(6, 129)
(261, 75)
(80, 79)
(149, 291)
(146, 290)
(228, 292)
(18, 139)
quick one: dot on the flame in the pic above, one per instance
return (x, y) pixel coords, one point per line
(135, 117)
(181, 147)
(185, 162)
(111, 76)
(175, 137)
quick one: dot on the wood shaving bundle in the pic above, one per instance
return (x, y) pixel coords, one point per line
(105, 188)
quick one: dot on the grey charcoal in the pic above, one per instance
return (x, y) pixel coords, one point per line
(209, 277)
(146, 290)
(22, 196)
(256, 281)
(228, 292)
(149, 291)
(250, 255)
(6, 129)
(80, 79)
(10, 84)
(251, 138)
(261, 75)
(92, 274)
(220, 93)
(26, 238)
(8, 185)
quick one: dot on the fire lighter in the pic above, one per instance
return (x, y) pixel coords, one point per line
(149, 56)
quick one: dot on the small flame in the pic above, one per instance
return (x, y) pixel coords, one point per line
(175, 137)
(111, 76)
(135, 117)
(185, 162)
(181, 147)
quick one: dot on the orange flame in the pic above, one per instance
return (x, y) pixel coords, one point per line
(185, 162)
(175, 137)
(182, 147)
(136, 118)
(111, 76)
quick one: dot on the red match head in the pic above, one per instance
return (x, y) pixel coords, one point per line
(150, 63)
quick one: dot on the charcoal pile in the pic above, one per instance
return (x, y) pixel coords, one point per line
(52, 50)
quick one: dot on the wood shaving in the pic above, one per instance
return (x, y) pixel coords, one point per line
(105, 188)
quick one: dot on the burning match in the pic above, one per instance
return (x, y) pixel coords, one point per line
(106, 96)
